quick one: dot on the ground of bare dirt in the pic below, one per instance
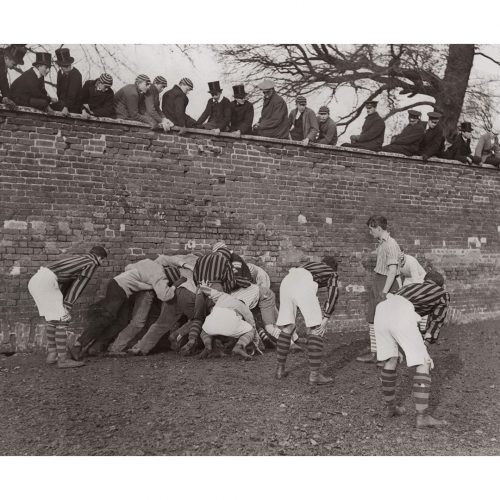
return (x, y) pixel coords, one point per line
(168, 405)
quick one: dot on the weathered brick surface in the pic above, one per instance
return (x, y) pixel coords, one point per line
(69, 183)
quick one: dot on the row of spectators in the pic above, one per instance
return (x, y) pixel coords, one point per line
(140, 101)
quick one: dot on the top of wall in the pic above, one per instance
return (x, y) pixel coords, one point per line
(228, 137)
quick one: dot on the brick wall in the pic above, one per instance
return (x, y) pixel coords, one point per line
(69, 183)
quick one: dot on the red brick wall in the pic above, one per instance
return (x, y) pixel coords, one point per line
(69, 183)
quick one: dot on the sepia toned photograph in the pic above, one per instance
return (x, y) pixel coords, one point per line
(249, 250)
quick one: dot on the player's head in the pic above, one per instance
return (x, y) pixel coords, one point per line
(434, 276)
(330, 262)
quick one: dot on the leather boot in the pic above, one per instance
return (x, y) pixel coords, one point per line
(394, 411)
(239, 350)
(281, 372)
(51, 358)
(425, 420)
(316, 378)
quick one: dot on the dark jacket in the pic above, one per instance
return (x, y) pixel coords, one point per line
(100, 103)
(152, 104)
(29, 90)
(408, 141)
(310, 126)
(241, 117)
(69, 90)
(128, 102)
(218, 114)
(433, 142)
(372, 133)
(459, 150)
(327, 132)
(174, 104)
(4, 81)
(274, 118)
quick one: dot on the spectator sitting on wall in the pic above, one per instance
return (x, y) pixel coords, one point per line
(372, 132)
(487, 149)
(29, 88)
(217, 114)
(98, 97)
(174, 104)
(69, 84)
(129, 101)
(303, 122)
(327, 128)
(460, 148)
(273, 120)
(241, 112)
(433, 141)
(10, 57)
(152, 103)
(408, 141)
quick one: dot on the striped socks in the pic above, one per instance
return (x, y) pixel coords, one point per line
(373, 342)
(50, 333)
(388, 379)
(61, 341)
(283, 346)
(314, 352)
(421, 391)
(195, 329)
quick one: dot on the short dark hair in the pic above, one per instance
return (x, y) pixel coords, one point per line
(330, 262)
(433, 275)
(99, 252)
(377, 220)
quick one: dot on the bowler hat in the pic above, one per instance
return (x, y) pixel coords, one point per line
(266, 85)
(16, 52)
(239, 91)
(371, 103)
(466, 127)
(413, 113)
(434, 115)
(214, 87)
(63, 57)
(42, 59)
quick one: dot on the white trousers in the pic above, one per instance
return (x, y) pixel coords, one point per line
(396, 323)
(223, 321)
(298, 290)
(44, 289)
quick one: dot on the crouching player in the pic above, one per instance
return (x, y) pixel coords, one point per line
(298, 290)
(396, 324)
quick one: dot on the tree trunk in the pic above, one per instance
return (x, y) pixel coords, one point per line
(450, 99)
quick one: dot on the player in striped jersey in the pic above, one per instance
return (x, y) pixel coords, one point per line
(55, 288)
(396, 325)
(298, 289)
(215, 270)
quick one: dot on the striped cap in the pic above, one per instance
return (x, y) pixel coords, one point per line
(143, 78)
(218, 245)
(160, 80)
(106, 79)
(187, 82)
(324, 110)
(301, 100)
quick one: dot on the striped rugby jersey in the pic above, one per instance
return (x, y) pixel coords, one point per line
(215, 267)
(325, 277)
(77, 270)
(428, 298)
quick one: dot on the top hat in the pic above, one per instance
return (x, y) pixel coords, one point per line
(466, 127)
(239, 91)
(214, 87)
(16, 52)
(413, 113)
(63, 57)
(42, 58)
